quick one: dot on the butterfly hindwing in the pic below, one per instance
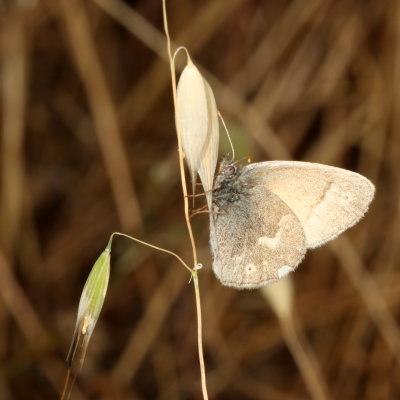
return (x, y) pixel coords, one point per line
(255, 240)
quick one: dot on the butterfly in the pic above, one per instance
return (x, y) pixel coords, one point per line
(266, 215)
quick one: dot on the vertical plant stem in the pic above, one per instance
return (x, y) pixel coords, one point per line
(68, 385)
(186, 209)
(200, 335)
(180, 151)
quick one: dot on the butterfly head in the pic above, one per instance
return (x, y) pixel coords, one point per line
(228, 170)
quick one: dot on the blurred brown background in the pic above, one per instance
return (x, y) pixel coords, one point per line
(88, 147)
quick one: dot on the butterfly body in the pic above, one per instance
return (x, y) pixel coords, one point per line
(230, 186)
(266, 215)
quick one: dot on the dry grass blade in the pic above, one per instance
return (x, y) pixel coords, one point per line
(104, 113)
(18, 304)
(370, 294)
(13, 78)
(280, 296)
(146, 333)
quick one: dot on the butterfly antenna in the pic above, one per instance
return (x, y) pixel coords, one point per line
(227, 134)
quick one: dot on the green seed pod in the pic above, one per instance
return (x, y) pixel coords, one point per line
(90, 305)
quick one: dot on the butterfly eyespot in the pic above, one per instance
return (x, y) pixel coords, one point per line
(250, 267)
(230, 170)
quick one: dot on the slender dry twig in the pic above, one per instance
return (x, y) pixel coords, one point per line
(186, 207)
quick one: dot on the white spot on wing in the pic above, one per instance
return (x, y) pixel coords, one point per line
(273, 242)
(283, 271)
(270, 242)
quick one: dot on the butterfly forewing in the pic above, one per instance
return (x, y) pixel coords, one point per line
(255, 240)
(327, 200)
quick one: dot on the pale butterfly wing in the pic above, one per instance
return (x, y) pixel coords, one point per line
(327, 200)
(252, 247)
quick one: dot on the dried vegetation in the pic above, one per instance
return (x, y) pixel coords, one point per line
(88, 147)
